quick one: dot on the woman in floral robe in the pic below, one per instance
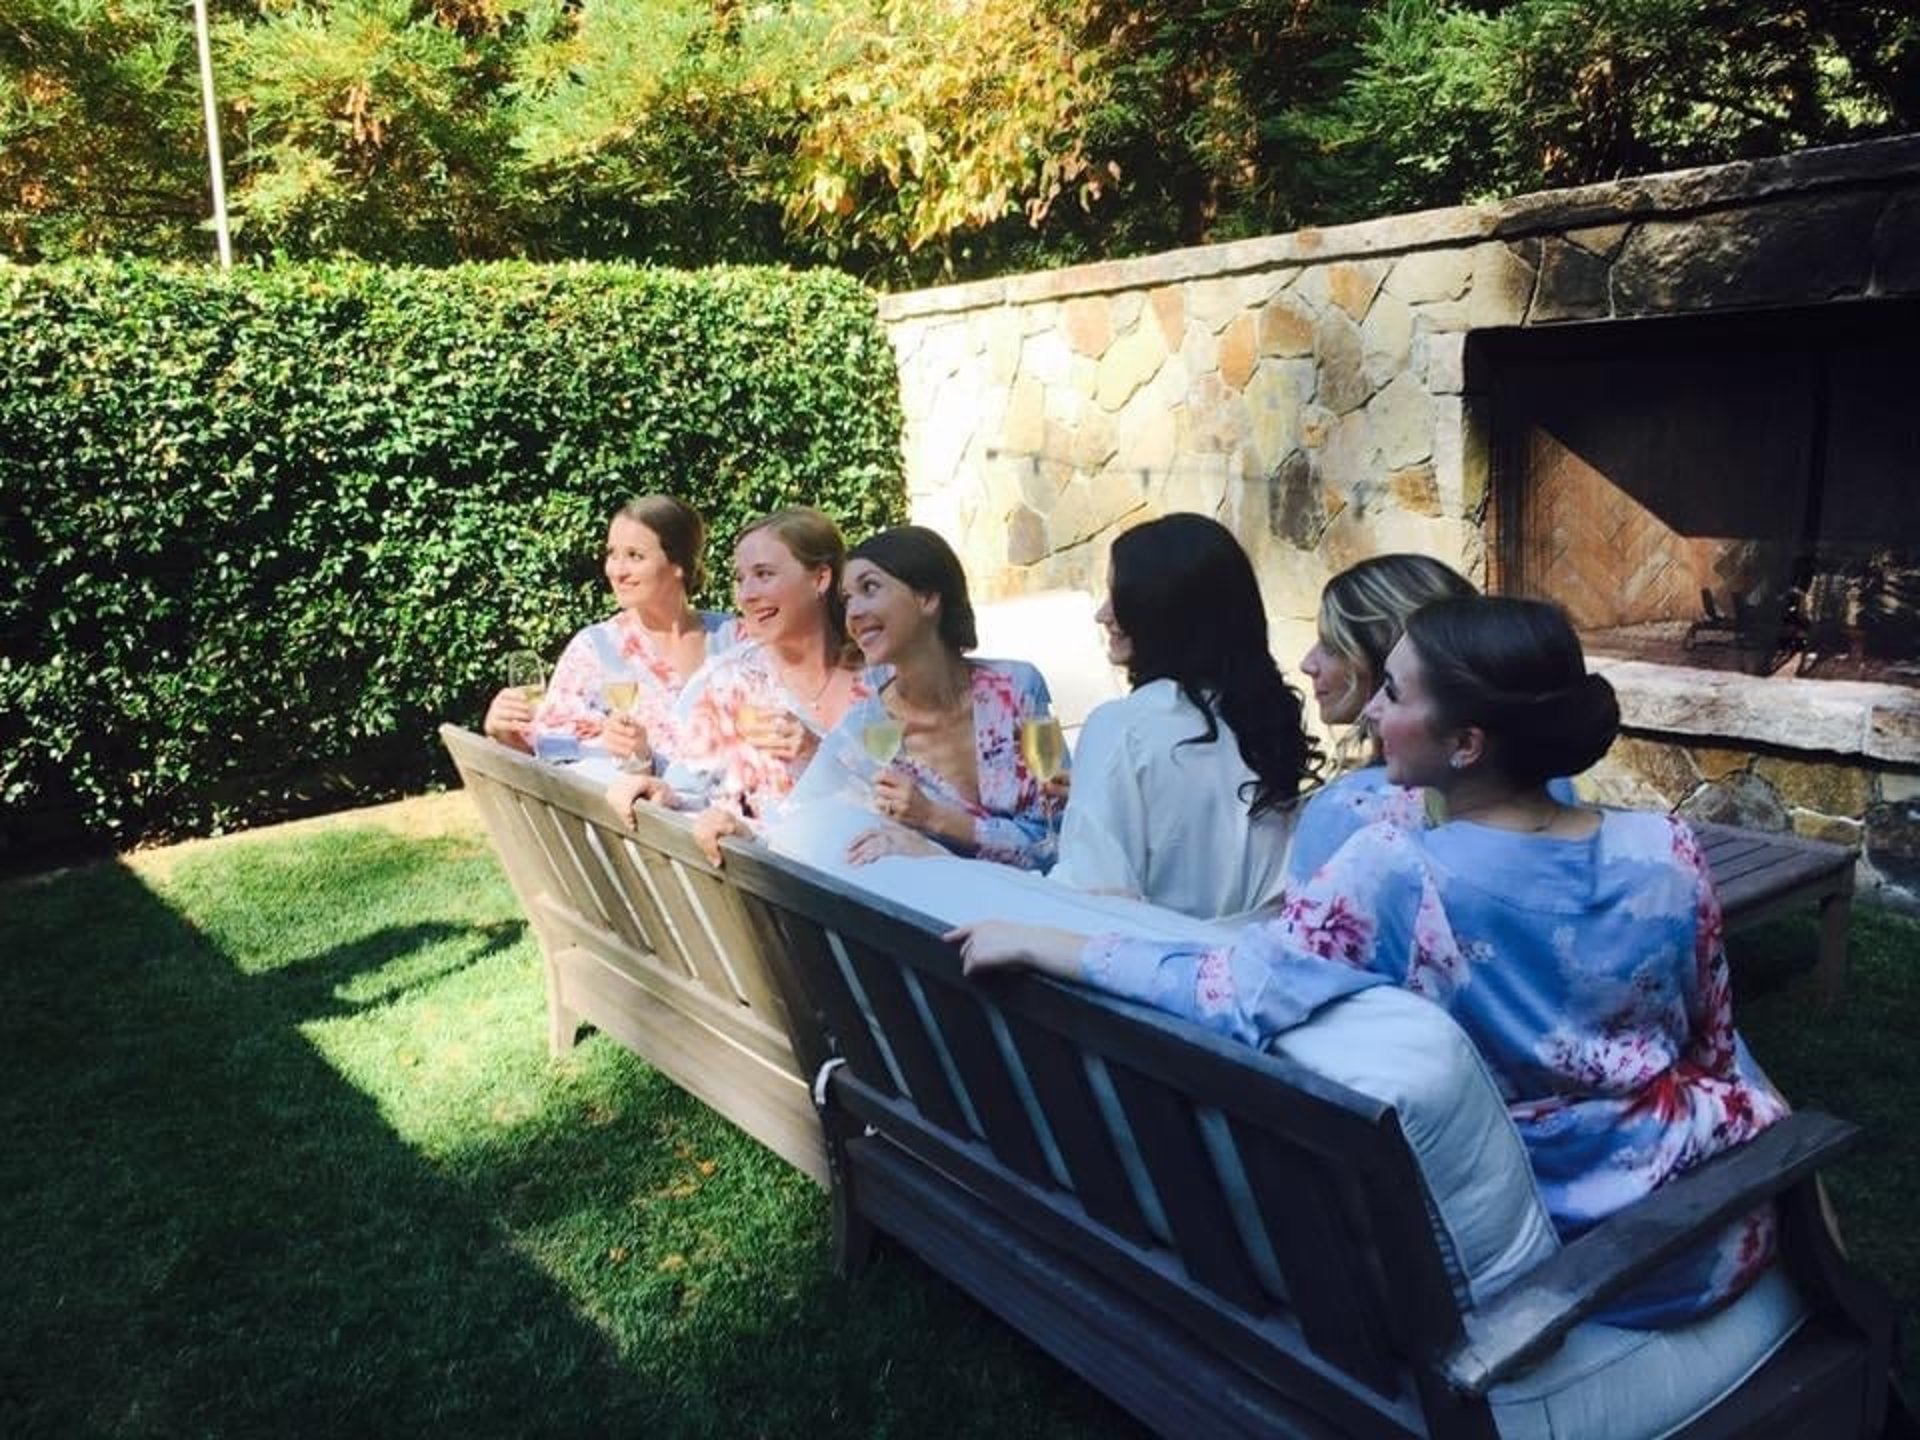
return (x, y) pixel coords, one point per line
(654, 641)
(958, 781)
(750, 721)
(1580, 950)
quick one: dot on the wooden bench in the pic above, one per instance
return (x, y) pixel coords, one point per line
(1759, 875)
(642, 939)
(962, 1120)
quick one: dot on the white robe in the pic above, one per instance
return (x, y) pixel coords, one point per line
(1152, 817)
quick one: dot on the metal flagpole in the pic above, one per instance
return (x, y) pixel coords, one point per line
(215, 165)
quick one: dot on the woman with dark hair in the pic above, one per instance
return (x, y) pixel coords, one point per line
(1185, 791)
(614, 688)
(1580, 949)
(750, 720)
(935, 751)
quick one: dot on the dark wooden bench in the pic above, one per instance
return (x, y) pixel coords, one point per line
(1759, 875)
(757, 986)
(928, 1088)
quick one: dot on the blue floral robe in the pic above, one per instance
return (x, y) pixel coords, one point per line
(1590, 974)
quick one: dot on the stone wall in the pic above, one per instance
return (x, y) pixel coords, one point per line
(1312, 391)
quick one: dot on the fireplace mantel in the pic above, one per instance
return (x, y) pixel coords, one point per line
(1837, 717)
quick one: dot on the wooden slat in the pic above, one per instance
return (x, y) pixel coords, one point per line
(1060, 1087)
(565, 867)
(589, 845)
(906, 1036)
(731, 932)
(810, 949)
(996, 1099)
(659, 873)
(1310, 1222)
(1189, 1188)
(738, 1025)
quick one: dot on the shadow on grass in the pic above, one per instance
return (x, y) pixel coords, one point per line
(213, 1230)
(210, 1232)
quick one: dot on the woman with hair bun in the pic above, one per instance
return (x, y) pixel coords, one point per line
(1185, 791)
(1580, 949)
(1363, 612)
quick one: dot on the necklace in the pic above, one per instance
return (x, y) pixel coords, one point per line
(788, 685)
(1535, 827)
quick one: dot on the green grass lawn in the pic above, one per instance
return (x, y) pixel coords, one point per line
(285, 1155)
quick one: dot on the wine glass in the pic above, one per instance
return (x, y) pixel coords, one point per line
(882, 739)
(755, 720)
(620, 694)
(1044, 747)
(527, 673)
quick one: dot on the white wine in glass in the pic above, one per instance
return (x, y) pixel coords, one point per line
(1043, 746)
(620, 695)
(527, 673)
(882, 739)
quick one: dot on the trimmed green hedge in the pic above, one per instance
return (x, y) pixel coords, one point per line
(260, 533)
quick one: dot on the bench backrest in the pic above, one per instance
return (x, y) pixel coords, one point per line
(644, 940)
(1270, 1214)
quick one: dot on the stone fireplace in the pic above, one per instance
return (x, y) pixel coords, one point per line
(1730, 492)
(1685, 406)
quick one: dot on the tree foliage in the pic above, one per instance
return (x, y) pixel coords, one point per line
(906, 140)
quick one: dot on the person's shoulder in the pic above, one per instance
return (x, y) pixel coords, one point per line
(1365, 794)
(1020, 672)
(1019, 679)
(723, 631)
(597, 636)
(1650, 837)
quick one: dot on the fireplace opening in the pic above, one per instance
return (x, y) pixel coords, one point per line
(1734, 492)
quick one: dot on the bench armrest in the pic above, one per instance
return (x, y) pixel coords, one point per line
(1531, 1317)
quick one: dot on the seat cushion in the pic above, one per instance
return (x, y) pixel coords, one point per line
(1393, 1046)
(1607, 1383)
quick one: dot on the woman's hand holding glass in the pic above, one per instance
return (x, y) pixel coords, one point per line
(897, 797)
(510, 719)
(510, 715)
(774, 731)
(624, 736)
(1044, 747)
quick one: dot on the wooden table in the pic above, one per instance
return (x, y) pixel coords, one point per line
(1760, 874)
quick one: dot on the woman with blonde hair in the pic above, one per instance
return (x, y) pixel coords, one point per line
(1363, 612)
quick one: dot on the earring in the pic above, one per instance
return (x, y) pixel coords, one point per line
(1458, 762)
